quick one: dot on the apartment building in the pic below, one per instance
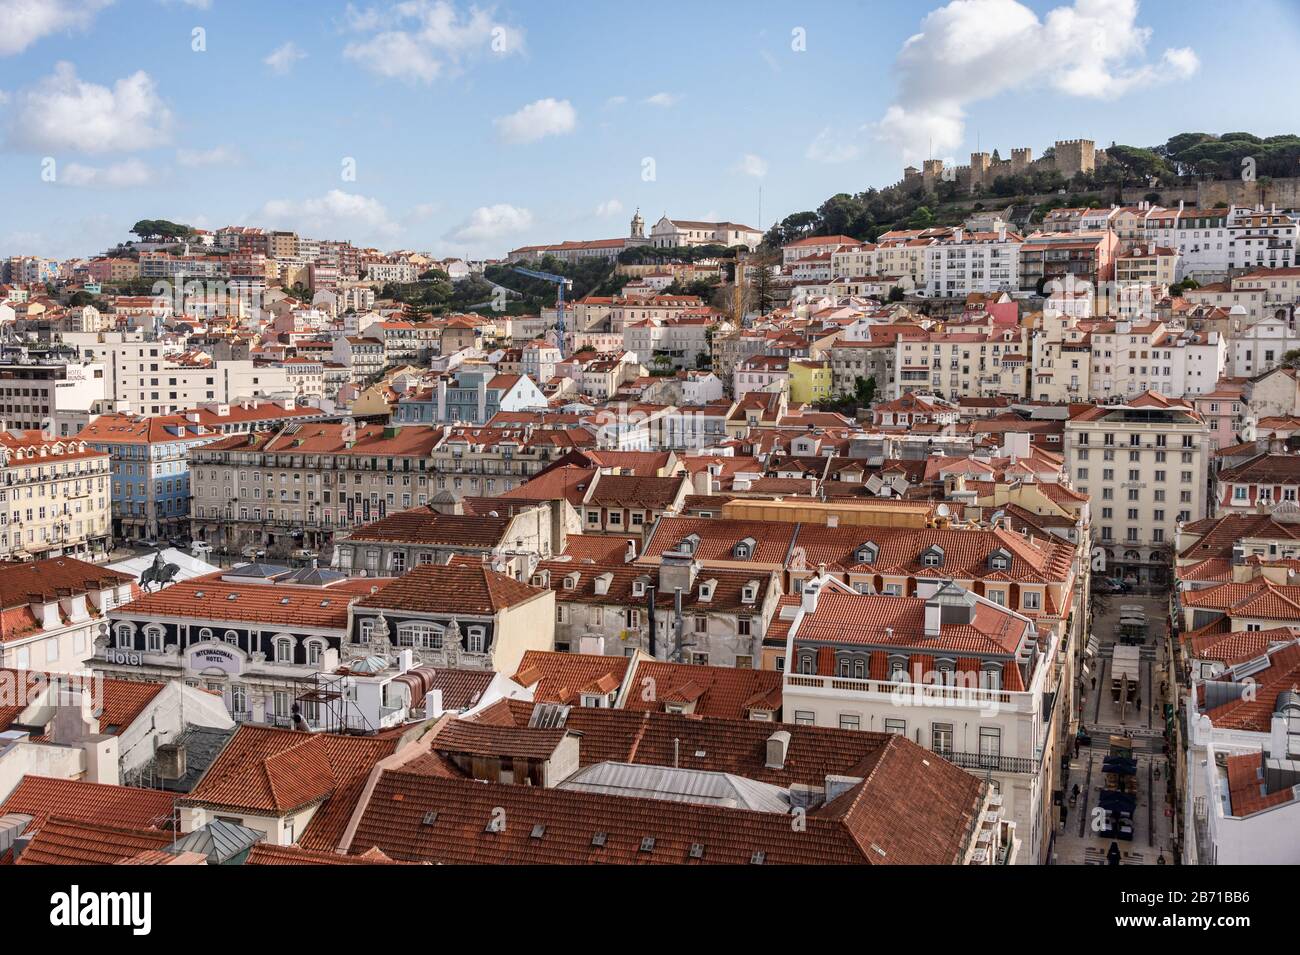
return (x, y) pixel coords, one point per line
(294, 488)
(463, 616)
(144, 378)
(1062, 258)
(61, 602)
(1144, 464)
(151, 459)
(472, 395)
(967, 261)
(490, 461)
(950, 670)
(51, 393)
(959, 364)
(672, 343)
(509, 541)
(54, 498)
(1262, 238)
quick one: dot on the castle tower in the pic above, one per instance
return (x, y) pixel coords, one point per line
(1074, 156)
(638, 226)
(1020, 160)
(931, 172)
(979, 169)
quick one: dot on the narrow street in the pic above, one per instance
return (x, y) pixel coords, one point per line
(1079, 840)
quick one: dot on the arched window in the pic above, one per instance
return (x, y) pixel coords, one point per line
(232, 637)
(283, 650)
(125, 636)
(315, 650)
(424, 635)
(205, 634)
(475, 641)
(153, 638)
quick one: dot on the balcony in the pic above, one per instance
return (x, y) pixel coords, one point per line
(997, 764)
(913, 694)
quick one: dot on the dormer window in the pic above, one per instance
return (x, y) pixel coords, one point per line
(749, 593)
(933, 557)
(999, 560)
(706, 589)
(570, 581)
(638, 588)
(690, 542)
(867, 553)
(744, 549)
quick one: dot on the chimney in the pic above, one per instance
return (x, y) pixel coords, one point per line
(778, 744)
(933, 618)
(405, 660)
(171, 761)
(433, 704)
(811, 590)
(559, 532)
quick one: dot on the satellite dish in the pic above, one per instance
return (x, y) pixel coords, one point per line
(943, 510)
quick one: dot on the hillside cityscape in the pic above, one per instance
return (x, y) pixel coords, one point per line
(950, 521)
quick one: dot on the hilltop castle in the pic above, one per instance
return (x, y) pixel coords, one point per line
(1070, 157)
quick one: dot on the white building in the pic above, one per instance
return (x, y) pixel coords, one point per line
(968, 262)
(1144, 464)
(668, 233)
(897, 664)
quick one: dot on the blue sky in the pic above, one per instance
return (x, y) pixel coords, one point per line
(476, 129)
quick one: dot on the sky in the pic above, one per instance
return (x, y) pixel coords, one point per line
(469, 130)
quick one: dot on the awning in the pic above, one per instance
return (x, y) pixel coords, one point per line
(1113, 801)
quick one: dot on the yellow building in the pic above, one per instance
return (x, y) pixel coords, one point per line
(54, 498)
(810, 381)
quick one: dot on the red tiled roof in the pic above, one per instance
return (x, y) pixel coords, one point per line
(211, 598)
(911, 808)
(269, 771)
(423, 525)
(266, 854)
(69, 842)
(561, 677)
(459, 589)
(1254, 711)
(727, 693)
(98, 803)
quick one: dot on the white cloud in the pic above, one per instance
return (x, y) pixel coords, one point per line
(663, 99)
(1093, 48)
(65, 112)
(26, 21)
(615, 101)
(487, 223)
(835, 145)
(283, 57)
(546, 117)
(420, 40)
(610, 207)
(336, 213)
(216, 156)
(752, 165)
(129, 172)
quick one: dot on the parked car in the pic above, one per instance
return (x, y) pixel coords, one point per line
(200, 548)
(304, 555)
(149, 542)
(253, 553)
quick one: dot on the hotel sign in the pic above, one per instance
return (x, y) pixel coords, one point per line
(214, 657)
(132, 658)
